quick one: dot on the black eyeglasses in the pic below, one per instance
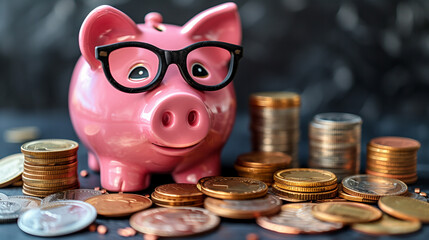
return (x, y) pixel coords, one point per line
(135, 67)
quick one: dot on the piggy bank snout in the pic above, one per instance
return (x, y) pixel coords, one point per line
(179, 120)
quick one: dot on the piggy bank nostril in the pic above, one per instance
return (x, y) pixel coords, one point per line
(167, 119)
(193, 118)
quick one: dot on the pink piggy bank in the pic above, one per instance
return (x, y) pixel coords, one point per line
(155, 98)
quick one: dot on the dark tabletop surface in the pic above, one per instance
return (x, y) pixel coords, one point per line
(56, 124)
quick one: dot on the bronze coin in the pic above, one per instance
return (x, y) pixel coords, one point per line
(395, 143)
(119, 205)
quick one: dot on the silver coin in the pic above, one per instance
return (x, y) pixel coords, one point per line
(3, 197)
(9, 211)
(417, 196)
(57, 218)
(76, 194)
(26, 202)
(337, 119)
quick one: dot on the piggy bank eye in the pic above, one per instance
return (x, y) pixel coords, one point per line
(199, 71)
(138, 73)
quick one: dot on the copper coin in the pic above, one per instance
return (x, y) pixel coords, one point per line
(296, 218)
(50, 148)
(395, 143)
(179, 190)
(174, 222)
(119, 205)
(243, 209)
(405, 208)
(268, 160)
(387, 226)
(346, 212)
(275, 99)
(232, 187)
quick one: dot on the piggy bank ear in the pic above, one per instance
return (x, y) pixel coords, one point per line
(102, 26)
(219, 23)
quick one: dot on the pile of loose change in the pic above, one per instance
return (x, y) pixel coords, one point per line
(304, 184)
(261, 165)
(335, 143)
(274, 123)
(50, 166)
(393, 157)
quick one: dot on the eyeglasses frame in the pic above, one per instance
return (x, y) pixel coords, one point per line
(167, 57)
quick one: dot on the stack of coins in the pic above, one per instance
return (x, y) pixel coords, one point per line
(369, 189)
(178, 195)
(50, 166)
(304, 184)
(393, 157)
(274, 123)
(334, 140)
(261, 165)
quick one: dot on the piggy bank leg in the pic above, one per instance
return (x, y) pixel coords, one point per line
(119, 177)
(209, 167)
(93, 162)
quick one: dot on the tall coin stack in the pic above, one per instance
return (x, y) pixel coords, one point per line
(261, 165)
(50, 166)
(393, 157)
(274, 123)
(335, 143)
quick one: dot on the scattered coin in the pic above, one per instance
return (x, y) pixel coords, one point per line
(387, 226)
(119, 205)
(405, 208)
(75, 194)
(26, 202)
(174, 222)
(373, 187)
(11, 169)
(49, 221)
(346, 212)
(243, 209)
(21, 134)
(296, 218)
(9, 211)
(236, 188)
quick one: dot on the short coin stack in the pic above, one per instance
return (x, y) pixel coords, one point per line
(178, 195)
(50, 166)
(261, 165)
(238, 197)
(335, 143)
(304, 184)
(274, 123)
(393, 157)
(369, 189)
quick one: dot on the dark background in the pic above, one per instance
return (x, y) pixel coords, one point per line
(364, 57)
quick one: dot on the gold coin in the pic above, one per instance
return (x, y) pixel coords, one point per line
(29, 167)
(275, 100)
(389, 153)
(176, 202)
(387, 226)
(405, 208)
(243, 209)
(373, 187)
(11, 168)
(50, 161)
(303, 195)
(179, 191)
(50, 148)
(119, 205)
(296, 218)
(305, 177)
(49, 175)
(346, 212)
(395, 143)
(232, 187)
(252, 170)
(306, 189)
(353, 198)
(270, 160)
